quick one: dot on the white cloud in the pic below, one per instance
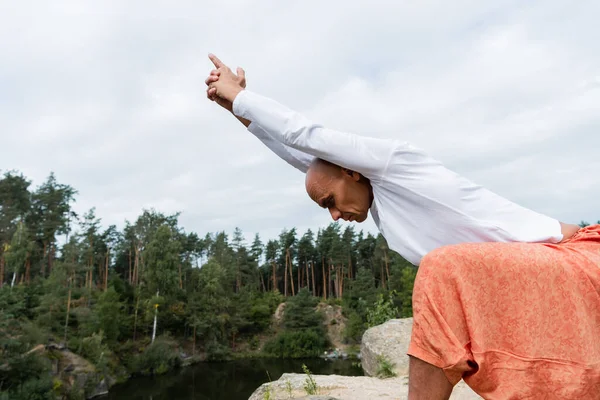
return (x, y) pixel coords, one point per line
(111, 96)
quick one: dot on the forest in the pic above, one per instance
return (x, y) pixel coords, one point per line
(142, 299)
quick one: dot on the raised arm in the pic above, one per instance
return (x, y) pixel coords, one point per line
(293, 157)
(366, 155)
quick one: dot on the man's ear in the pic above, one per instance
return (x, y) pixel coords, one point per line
(352, 174)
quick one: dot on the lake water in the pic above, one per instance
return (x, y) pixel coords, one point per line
(234, 380)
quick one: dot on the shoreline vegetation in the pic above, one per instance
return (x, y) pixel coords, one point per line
(81, 299)
(83, 306)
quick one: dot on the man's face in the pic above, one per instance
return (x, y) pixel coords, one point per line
(344, 193)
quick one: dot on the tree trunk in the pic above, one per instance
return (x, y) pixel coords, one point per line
(338, 281)
(27, 269)
(50, 257)
(342, 282)
(100, 280)
(291, 272)
(299, 286)
(262, 281)
(137, 304)
(324, 278)
(129, 266)
(155, 319)
(136, 267)
(330, 289)
(350, 266)
(285, 278)
(106, 270)
(274, 276)
(142, 265)
(180, 279)
(184, 276)
(43, 270)
(68, 309)
(387, 267)
(307, 274)
(312, 268)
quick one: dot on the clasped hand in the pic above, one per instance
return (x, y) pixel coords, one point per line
(223, 84)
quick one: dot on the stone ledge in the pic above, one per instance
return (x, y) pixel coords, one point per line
(335, 387)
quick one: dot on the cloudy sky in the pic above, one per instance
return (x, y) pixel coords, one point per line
(110, 96)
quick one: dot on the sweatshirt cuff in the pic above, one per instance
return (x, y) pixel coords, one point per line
(239, 106)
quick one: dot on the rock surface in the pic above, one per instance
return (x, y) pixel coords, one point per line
(335, 387)
(317, 398)
(335, 323)
(75, 371)
(81, 374)
(278, 316)
(390, 340)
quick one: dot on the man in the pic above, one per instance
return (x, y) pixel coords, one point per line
(505, 298)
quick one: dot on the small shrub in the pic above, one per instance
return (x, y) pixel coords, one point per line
(288, 387)
(215, 351)
(382, 311)
(310, 385)
(297, 344)
(385, 368)
(267, 395)
(158, 358)
(93, 349)
(254, 343)
(260, 314)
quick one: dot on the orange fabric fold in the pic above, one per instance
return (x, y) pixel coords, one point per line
(514, 320)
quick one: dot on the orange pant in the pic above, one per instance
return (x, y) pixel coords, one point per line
(514, 320)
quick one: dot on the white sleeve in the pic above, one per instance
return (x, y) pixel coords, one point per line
(295, 158)
(366, 155)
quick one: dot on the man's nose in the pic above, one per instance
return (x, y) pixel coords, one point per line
(335, 213)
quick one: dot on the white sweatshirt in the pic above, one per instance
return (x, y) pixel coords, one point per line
(419, 205)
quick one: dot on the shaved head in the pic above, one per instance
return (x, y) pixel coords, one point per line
(320, 176)
(347, 194)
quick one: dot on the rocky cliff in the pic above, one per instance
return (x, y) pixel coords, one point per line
(77, 374)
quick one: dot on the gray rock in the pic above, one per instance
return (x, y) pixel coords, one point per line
(389, 340)
(337, 387)
(317, 398)
(291, 386)
(101, 389)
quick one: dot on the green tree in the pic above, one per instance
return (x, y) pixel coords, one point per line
(162, 262)
(50, 216)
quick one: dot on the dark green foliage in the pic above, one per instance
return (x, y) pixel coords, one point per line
(158, 358)
(382, 311)
(97, 289)
(23, 375)
(304, 334)
(300, 312)
(402, 282)
(297, 344)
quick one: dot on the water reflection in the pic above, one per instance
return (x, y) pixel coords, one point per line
(234, 380)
